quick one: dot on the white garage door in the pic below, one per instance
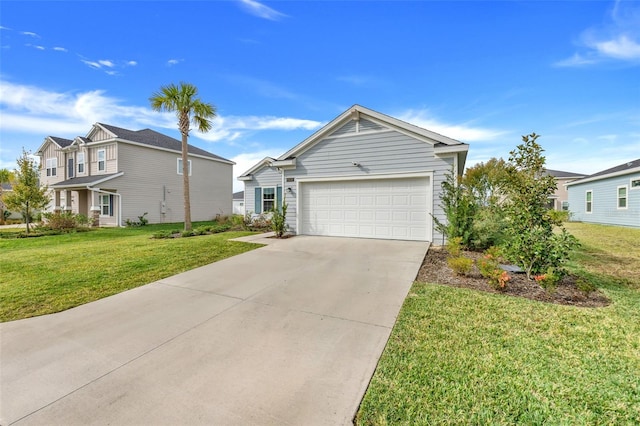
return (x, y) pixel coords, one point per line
(396, 209)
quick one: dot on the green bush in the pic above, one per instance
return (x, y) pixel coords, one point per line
(549, 280)
(454, 246)
(279, 220)
(142, 221)
(461, 265)
(489, 225)
(59, 220)
(460, 207)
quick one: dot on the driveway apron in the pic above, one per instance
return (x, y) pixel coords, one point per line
(288, 334)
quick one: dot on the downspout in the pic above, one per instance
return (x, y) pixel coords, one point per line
(98, 190)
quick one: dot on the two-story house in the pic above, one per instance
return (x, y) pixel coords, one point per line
(560, 199)
(114, 174)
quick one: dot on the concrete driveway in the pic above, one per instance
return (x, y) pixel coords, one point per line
(288, 334)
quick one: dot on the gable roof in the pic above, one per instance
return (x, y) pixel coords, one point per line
(357, 111)
(61, 142)
(623, 169)
(442, 144)
(156, 139)
(561, 174)
(238, 195)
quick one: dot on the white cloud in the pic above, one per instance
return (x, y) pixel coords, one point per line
(132, 63)
(35, 46)
(261, 11)
(245, 161)
(59, 49)
(92, 64)
(617, 39)
(106, 63)
(621, 47)
(172, 62)
(30, 34)
(33, 110)
(462, 132)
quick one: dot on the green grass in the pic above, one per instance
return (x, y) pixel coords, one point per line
(459, 356)
(53, 273)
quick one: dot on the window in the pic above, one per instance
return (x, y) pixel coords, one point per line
(635, 183)
(52, 166)
(180, 166)
(622, 197)
(80, 162)
(101, 160)
(589, 201)
(268, 199)
(565, 206)
(106, 205)
(70, 168)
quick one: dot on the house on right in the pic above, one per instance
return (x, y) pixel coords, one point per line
(609, 197)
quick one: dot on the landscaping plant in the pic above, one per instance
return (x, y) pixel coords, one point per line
(531, 241)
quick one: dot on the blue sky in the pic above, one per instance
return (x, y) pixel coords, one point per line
(482, 72)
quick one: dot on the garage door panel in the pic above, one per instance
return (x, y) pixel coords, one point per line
(374, 208)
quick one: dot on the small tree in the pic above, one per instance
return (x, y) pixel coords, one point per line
(27, 195)
(530, 241)
(459, 206)
(6, 176)
(279, 220)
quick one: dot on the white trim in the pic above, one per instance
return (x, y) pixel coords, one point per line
(587, 211)
(358, 133)
(376, 117)
(608, 175)
(78, 163)
(626, 197)
(264, 162)
(375, 176)
(179, 168)
(633, 179)
(275, 198)
(104, 169)
(51, 170)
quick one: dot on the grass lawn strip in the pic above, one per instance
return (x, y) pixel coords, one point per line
(459, 356)
(50, 274)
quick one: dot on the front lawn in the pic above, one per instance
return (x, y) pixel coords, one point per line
(53, 273)
(459, 356)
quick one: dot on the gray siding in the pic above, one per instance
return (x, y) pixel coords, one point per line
(111, 160)
(266, 176)
(150, 176)
(605, 202)
(385, 152)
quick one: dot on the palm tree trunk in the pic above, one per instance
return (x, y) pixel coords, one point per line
(185, 182)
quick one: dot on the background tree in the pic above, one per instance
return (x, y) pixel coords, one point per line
(27, 195)
(6, 176)
(485, 181)
(530, 241)
(460, 207)
(182, 99)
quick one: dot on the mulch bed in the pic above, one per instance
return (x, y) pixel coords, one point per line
(435, 269)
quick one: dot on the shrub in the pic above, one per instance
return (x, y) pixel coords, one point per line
(489, 225)
(60, 220)
(279, 220)
(549, 280)
(461, 265)
(585, 286)
(459, 206)
(489, 268)
(142, 221)
(454, 246)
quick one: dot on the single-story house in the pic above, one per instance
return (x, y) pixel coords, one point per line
(238, 203)
(610, 197)
(114, 174)
(364, 174)
(560, 199)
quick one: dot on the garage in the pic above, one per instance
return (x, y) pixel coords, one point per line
(395, 208)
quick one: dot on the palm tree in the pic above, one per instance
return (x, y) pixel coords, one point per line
(182, 99)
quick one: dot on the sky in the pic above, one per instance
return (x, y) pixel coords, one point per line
(482, 72)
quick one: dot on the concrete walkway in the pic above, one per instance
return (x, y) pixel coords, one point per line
(288, 334)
